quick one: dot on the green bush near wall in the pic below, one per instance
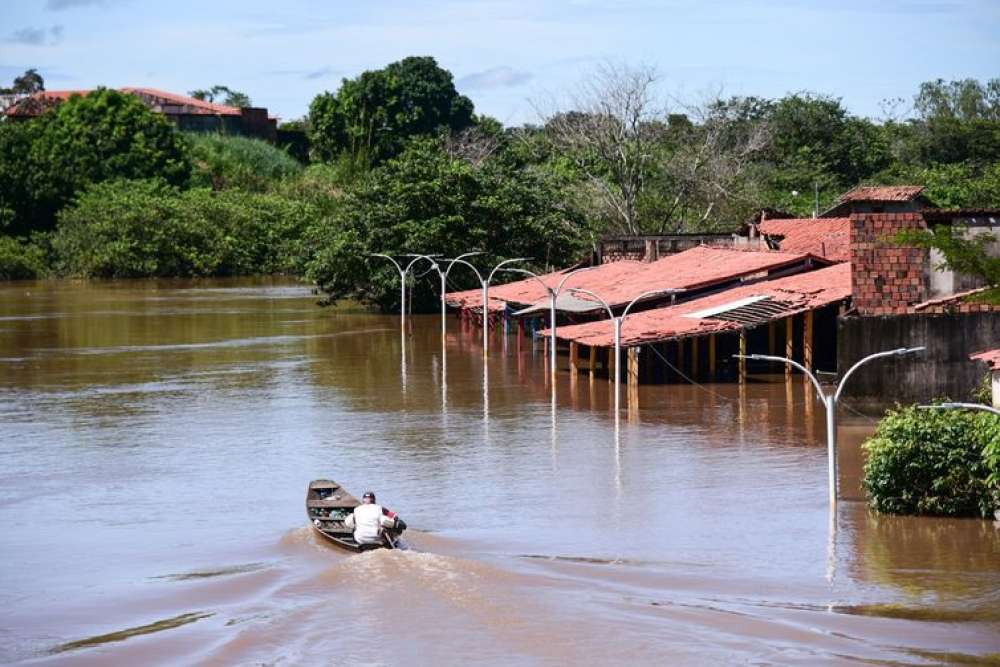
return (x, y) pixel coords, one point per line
(934, 462)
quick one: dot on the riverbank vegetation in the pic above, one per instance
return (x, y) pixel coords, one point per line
(935, 462)
(101, 186)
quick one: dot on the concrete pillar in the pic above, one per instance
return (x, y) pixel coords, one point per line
(789, 343)
(592, 362)
(743, 350)
(545, 354)
(520, 334)
(574, 358)
(807, 340)
(711, 357)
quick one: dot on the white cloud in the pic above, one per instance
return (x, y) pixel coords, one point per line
(495, 77)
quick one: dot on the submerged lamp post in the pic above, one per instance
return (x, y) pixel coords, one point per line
(444, 285)
(830, 401)
(486, 291)
(553, 294)
(616, 323)
(402, 280)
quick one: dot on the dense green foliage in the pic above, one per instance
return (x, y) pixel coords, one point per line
(401, 163)
(228, 162)
(127, 229)
(940, 462)
(100, 136)
(426, 198)
(20, 260)
(371, 117)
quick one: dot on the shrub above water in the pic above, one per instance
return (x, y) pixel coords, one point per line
(937, 462)
(133, 229)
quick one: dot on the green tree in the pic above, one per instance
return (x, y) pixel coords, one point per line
(28, 83)
(222, 95)
(963, 252)
(371, 117)
(815, 132)
(88, 139)
(427, 201)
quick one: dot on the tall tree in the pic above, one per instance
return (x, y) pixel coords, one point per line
(87, 139)
(372, 117)
(610, 134)
(222, 95)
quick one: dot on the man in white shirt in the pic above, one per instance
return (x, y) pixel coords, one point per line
(369, 520)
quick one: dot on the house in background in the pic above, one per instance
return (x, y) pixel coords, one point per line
(187, 113)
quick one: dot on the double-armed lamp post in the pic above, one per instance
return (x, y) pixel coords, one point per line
(402, 280)
(616, 323)
(830, 401)
(485, 282)
(553, 295)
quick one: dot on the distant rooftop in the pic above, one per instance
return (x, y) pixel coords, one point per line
(882, 193)
(163, 101)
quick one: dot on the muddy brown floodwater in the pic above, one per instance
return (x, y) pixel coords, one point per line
(156, 440)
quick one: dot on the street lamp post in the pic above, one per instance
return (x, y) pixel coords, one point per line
(402, 280)
(444, 285)
(486, 292)
(960, 406)
(830, 402)
(617, 328)
(553, 294)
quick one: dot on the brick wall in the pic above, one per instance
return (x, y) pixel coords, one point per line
(886, 278)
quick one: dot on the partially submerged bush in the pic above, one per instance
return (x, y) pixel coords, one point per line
(131, 229)
(934, 462)
(21, 260)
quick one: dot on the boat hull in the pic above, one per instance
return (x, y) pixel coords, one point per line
(327, 506)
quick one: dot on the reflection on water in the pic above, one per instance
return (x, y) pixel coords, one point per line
(156, 440)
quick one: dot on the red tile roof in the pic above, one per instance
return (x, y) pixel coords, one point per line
(990, 357)
(798, 293)
(620, 282)
(882, 193)
(192, 105)
(823, 237)
(950, 300)
(152, 96)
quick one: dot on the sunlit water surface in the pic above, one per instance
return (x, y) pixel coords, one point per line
(156, 440)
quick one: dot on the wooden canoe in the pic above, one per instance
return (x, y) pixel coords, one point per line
(327, 506)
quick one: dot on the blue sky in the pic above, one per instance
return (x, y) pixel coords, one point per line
(505, 53)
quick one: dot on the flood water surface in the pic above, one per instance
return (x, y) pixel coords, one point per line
(156, 440)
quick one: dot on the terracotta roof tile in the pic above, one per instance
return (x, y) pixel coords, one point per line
(882, 193)
(990, 357)
(151, 95)
(798, 293)
(620, 282)
(824, 237)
